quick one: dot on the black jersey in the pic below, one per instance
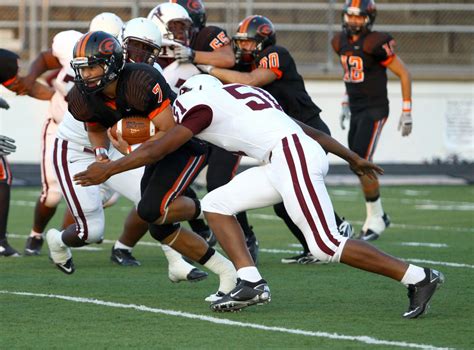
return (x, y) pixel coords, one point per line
(288, 88)
(9, 66)
(364, 62)
(141, 90)
(209, 39)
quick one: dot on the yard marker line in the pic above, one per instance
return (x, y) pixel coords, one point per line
(227, 322)
(450, 264)
(424, 244)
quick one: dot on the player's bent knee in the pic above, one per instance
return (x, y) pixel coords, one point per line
(52, 199)
(147, 212)
(214, 202)
(161, 232)
(336, 251)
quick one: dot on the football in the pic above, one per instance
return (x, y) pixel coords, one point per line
(134, 130)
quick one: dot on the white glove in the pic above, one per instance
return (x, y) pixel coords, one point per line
(406, 123)
(205, 68)
(345, 112)
(6, 145)
(4, 104)
(184, 54)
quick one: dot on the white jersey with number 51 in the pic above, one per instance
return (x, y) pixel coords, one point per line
(239, 118)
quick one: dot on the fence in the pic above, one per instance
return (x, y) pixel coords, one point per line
(430, 35)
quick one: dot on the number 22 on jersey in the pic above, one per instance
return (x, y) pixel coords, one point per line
(353, 69)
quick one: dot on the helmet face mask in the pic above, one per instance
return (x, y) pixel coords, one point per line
(358, 17)
(94, 50)
(253, 28)
(141, 41)
(173, 21)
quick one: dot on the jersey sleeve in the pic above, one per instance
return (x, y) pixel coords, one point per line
(148, 92)
(275, 58)
(336, 43)
(9, 64)
(63, 45)
(210, 38)
(78, 106)
(381, 46)
(195, 117)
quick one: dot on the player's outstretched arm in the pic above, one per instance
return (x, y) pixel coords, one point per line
(359, 165)
(148, 153)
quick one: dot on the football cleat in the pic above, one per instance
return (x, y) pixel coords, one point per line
(243, 295)
(123, 257)
(252, 245)
(33, 245)
(346, 229)
(59, 253)
(7, 250)
(195, 275)
(421, 293)
(209, 237)
(215, 297)
(375, 228)
(303, 259)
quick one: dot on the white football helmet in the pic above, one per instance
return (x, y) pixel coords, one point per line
(141, 40)
(107, 22)
(200, 82)
(174, 22)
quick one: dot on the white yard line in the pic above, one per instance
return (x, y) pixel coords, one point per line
(226, 322)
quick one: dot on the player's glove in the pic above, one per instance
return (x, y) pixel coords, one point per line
(184, 54)
(6, 145)
(405, 123)
(4, 104)
(205, 68)
(345, 112)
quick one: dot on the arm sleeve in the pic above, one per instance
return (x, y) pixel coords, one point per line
(148, 92)
(381, 46)
(197, 118)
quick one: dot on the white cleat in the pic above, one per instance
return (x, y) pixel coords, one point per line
(215, 297)
(375, 227)
(59, 253)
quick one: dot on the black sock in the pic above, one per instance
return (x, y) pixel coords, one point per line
(205, 258)
(242, 219)
(372, 199)
(4, 208)
(338, 219)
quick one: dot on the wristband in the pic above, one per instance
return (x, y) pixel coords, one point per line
(101, 151)
(406, 106)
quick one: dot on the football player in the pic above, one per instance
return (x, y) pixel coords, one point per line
(365, 56)
(261, 62)
(10, 79)
(107, 90)
(188, 41)
(249, 120)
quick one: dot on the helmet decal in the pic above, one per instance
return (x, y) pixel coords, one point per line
(107, 46)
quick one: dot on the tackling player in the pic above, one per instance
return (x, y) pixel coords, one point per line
(365, 56)
(249, 120)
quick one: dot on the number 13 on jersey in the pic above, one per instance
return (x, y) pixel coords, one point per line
(353, 69)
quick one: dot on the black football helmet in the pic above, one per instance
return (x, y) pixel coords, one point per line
(364, 8)
(258, 28)
(196, 11)
(97, 48)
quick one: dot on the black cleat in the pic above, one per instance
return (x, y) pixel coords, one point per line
(7, 250)
(196, 275)
(209, 237)
(421, 293)
(68, 267)
(252, 245)
(33, 245)
(346, 229)
(243, 295)
(303, 259)
(123, 257)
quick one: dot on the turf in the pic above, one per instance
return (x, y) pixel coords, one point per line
(329, 299)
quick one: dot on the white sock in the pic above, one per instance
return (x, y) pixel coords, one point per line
(413, 275)
(249, 273)
(171, 255)
(36, 234)
(120, 245)
(374, 209)
(225, 269)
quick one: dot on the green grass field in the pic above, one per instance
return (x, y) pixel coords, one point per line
(313, 306)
